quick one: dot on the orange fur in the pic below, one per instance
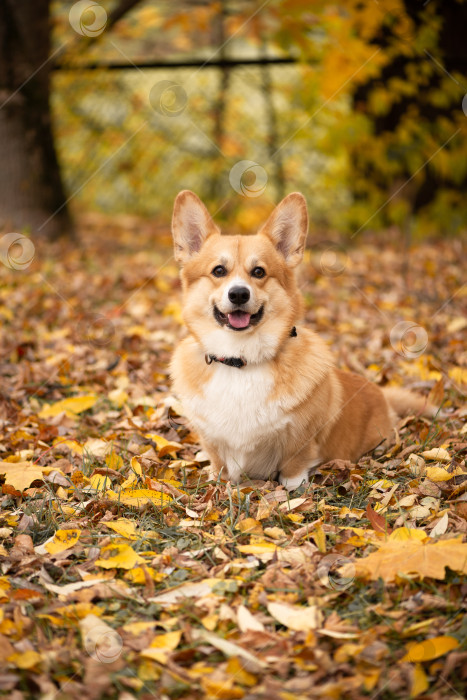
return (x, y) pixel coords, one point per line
(288, 409)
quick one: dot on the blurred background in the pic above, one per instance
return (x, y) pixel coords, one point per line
(111, 108)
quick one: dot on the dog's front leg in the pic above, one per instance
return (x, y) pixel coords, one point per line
(216, 465)
(296, 468)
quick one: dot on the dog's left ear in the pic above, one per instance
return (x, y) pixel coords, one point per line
(288, 226)
(191, 225)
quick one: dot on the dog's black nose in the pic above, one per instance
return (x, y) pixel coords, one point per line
(239, 295)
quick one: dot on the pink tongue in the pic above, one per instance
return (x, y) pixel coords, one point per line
(239, 319)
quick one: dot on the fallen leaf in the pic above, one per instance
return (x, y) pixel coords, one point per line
(440, 527)
(71, 407)
(411, 558)
(430, 649)
(122, 556)
(25, 659)
(161, 646)
(63, 539)
(407, 533)
(247, 621)
(123, 527)
(377, 521)
(437, 454)
(297, 618)
(20, 475)
(419, 681)
(71, 588)
(438, 474)
(139, 497)
(188, 590)
(229, 648)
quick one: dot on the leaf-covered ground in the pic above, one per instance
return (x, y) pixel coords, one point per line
(125, 573)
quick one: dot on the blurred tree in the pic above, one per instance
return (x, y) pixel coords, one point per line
(389, 90)
(32, 193)
(414, 105)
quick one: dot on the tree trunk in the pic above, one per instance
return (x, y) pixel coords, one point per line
(31, 190)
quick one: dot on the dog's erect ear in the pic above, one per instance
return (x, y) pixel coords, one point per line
(287, 227)
(191, 225)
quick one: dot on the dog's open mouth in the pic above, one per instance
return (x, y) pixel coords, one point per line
(238, 320)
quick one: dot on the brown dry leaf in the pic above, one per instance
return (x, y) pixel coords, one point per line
(188, 590)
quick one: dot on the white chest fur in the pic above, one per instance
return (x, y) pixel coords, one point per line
(237, 416)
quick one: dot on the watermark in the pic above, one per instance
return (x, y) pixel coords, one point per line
(102, 643)
(168, 98)
(328, 573)
(248, 178)
(96, 329)
(408, 339)
(87, 18)
(16, 251)
(329, 258)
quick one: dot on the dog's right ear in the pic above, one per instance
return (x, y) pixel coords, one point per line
(191, 225)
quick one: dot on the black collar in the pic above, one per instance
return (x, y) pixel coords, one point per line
(238, 362)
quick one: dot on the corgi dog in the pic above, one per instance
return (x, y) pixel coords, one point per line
(262, 392)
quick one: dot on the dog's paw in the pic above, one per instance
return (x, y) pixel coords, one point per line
(292, 483)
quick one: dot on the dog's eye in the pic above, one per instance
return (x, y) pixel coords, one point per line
(258, 272)
(219, 271)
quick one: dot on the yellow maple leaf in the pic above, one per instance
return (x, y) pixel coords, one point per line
(121, 556)
(63, 539)
(72, 406)
(20, 475)
(410, 557)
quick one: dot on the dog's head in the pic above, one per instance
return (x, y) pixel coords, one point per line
(240, 294)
